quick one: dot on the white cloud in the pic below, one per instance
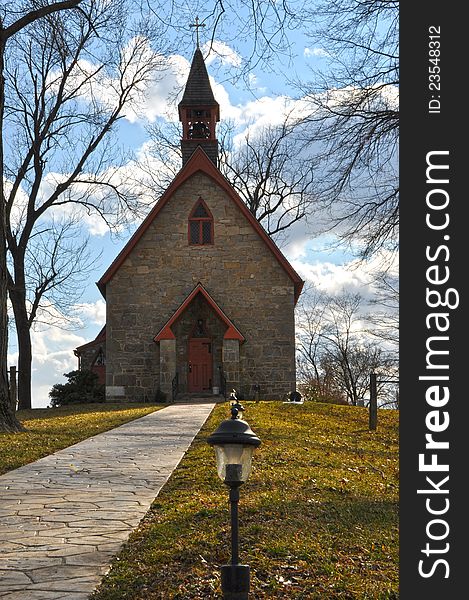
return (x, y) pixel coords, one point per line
(20, 205)
(217, 50)
(162, 94)
(350, 275)
(92, 312)
(255, 115)
(132, 177)
(349, 94)
(315, 52)
(157, 97)
(391, 94)
(296, 247)
(52, 357)
(227, 110)
(53, 349)
(91, 222)
(150, 97)
(252, 79)
(332, 278)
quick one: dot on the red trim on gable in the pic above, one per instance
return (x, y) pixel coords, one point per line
(199, 161)
(99, 339)
(166, 333)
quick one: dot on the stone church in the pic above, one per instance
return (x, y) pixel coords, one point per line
(200, 300)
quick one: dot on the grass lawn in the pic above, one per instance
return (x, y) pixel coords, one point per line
(51, 429)
(318, 516)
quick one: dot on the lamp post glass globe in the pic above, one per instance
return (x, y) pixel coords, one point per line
(234, 443)
(234, 462)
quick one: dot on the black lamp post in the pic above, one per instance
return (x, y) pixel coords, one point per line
(235, 403)
(234, 443)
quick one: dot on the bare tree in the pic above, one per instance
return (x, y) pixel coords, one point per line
(341, 351)
(14, 19)
(272, 175)
(163, 158)
(67, 85)
(349, 368)
(336, 356)
(57, 264)
(312, 328)
(384, 319)
(354, 118)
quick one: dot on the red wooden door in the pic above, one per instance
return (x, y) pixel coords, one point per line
(200, 365)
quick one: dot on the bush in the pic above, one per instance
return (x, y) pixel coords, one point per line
(160, 397)
(82, 387)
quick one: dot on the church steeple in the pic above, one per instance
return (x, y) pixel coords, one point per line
(199, 112)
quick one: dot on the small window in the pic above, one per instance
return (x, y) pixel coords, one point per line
(100, 359)
(200, 225)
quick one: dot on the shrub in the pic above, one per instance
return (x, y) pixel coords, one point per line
(160, 397)
(82, 387)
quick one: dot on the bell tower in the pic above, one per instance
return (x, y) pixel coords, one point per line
(199, 112)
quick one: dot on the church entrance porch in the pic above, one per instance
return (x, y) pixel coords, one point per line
(199, 346)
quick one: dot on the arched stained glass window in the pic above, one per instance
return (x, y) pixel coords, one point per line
(200, 225)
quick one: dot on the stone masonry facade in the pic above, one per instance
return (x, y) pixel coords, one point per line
(238, 271)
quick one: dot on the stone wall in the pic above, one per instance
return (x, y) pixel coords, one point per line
(168, 366)
(88, 354)
(238, 271)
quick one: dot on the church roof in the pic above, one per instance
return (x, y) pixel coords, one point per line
(99, 339)
(231, 333)
(199, 161)
(198, 91)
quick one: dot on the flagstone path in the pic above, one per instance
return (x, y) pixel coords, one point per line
(63, 517)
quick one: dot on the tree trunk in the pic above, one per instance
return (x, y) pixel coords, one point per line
(24, 366)
(8, 421)
(23, 335)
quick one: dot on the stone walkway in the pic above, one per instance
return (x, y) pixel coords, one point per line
(64, 516)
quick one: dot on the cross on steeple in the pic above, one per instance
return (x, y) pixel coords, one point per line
(197, 25)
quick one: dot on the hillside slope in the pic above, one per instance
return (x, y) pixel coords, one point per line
(318, 516)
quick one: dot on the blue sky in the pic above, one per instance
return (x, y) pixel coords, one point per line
(311, 255)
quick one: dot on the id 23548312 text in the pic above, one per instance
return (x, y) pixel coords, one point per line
(434, 69)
